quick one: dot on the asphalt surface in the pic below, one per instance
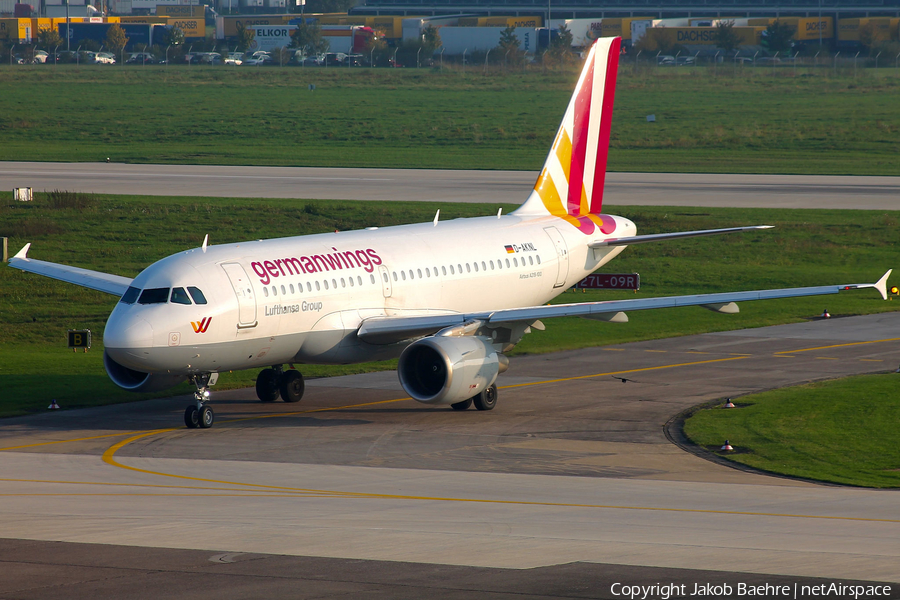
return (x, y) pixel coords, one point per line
(659, 189)
(569, 486)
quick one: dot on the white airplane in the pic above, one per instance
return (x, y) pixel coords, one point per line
(448, 298)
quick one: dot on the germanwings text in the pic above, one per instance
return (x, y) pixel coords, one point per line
(317, 263)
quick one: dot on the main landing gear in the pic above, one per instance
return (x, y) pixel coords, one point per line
(486, 400)
(275, 382)
(200, 414)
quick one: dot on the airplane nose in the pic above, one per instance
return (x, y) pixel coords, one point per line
(129, 332)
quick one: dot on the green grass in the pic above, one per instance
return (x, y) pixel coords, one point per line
(843, 431)
(751, 123)
(124, 234)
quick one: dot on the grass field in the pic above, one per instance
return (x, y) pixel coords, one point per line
(750, 123)
(124, 234)
(842, 431)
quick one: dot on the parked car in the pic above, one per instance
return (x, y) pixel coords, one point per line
(259, 59)
(210, 58)
(141, 58)
(316, 60)
(685, 60)
(105, 58)
(665, 59)
(234, 58)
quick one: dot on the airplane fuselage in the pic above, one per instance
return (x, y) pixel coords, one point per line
(302, 299)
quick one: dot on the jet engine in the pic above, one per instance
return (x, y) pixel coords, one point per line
(137, 381)
(446, 370)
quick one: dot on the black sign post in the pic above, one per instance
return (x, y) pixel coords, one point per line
(79, 338)
(610, 281)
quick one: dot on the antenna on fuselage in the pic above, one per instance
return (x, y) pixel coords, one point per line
(205, 241)
(499, 212)
(436, 217)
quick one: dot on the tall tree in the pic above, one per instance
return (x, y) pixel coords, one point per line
(778, 37)
(115, 39)
(244, 37)
(509, 46)
(726, 37)
(431, 40)
(308, 37)
(48, 38)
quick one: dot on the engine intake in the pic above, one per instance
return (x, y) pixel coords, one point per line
(446, 370)
(137, 381)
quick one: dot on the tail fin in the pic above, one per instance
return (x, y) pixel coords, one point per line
(571, 183)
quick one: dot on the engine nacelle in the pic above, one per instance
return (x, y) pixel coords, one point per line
(137, 381)
(446, 370)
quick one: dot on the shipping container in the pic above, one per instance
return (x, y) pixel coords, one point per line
(350, 39)
(704, 36)
(226, 27)
(619, 27)
(192, 28)
(144, 20)
(455, 40)
(183, 12)
(808, 28)
(16, 30)
(848, 29)
(584, 31)
(137, 33)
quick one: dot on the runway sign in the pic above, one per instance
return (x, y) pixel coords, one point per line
(610, 281)
(79, 338)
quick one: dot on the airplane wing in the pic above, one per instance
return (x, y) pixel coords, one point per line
(95, 280)
(386, 330)
(658, 237)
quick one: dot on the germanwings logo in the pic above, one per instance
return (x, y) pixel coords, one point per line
(201, 326)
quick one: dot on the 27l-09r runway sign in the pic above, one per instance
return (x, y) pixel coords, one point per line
(610, 281)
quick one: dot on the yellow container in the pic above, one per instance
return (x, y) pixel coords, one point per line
(192, 28)
(808, 28)
(181, 11)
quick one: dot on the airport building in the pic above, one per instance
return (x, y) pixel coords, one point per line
(660, 9)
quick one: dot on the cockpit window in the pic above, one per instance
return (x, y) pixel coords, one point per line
(179, 296)
(197, 295)
(154, 296)
(130, 295)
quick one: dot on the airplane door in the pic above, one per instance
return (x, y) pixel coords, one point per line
(244, 292)
(385, 280)
(562, 254)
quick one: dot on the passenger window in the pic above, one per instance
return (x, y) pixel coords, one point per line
(476, 267)
(395, 275)
(530, 261)
(309, 286)
(452, 272)
(334, 283)
(274, 291)
(283, 291)
(197, 295)
(411, 274)
(515, 262)
(325, 283)
(507, 263)
(419, 273)
(292, 288)
(427, 272)
(403, 275)
(468, 270)
(538, 258)
(154, 296)
(351, 281)
(444, 271)
(384, 275)
(179, 296)
(483, 266)
(460, 269)
(318, 288)
(492, 265)
(130, 295)
(266, 292)
(343, 283)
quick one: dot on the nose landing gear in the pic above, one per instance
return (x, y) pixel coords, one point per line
(200, 414)
(276, 381)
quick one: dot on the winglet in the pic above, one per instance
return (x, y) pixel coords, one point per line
(205, 242)
(23, 253)
(881, 284)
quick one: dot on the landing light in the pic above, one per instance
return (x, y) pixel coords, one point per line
(895, 290)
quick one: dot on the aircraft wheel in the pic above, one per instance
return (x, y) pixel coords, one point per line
(487, 399)
(465, 404)
(267, 385)
(192, 417)
(292, 386)
(206, 417)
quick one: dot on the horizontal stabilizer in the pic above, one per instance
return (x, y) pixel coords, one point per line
(661, 237)
(95, 280)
